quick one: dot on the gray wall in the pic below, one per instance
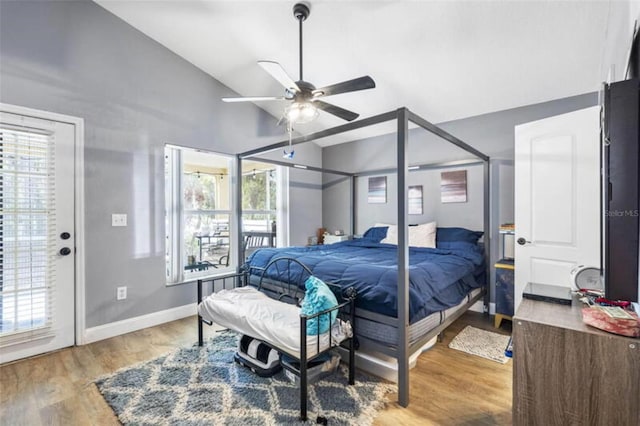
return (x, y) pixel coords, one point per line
(447, 214)
(135, 95)
(491, 133)
(305, 187)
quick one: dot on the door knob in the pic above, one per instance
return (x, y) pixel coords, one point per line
(65, 251)
(522, 241)
(65, 235)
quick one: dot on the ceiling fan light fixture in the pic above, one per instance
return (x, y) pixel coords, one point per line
(301, 112)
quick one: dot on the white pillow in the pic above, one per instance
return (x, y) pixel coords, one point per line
(392, 235)
(423, 235)
(419, 236)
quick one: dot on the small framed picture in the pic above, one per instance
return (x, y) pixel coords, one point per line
(377, 190)
(453, 186)
(415, 199)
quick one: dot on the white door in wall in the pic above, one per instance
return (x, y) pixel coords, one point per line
(37, 242)
(557, 198)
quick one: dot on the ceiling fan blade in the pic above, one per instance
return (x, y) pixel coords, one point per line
(254, 99)
(345, 114)
(361, 83)
(276, 71)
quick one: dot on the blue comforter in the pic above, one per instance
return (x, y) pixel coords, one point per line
(439, 278)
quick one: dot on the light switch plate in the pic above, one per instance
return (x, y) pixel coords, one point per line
(118, 220)
(121, 293)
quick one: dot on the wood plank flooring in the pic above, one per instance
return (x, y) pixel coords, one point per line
(448, 387)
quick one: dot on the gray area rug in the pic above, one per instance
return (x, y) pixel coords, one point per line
(204, 386)
(485, 344)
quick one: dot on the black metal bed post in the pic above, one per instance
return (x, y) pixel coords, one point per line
(307, 167)
(303, 367)
(403, 258)
(416, 119)
(352, 125)
(487, 230)
(200, 330)
(352, 343)
(352, 202)
(237, 235)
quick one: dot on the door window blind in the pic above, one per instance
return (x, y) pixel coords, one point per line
(27, 234)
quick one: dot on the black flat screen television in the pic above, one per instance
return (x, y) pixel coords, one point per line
(621, 190)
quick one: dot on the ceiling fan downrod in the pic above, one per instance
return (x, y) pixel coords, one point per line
(301, 12)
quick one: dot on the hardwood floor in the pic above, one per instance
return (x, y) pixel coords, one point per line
(447, 386)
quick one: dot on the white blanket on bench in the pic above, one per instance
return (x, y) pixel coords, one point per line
(248, 311)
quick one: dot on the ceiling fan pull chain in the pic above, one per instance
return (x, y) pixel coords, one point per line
(291, 153)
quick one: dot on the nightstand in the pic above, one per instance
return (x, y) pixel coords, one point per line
(330, 239)
(504, 290)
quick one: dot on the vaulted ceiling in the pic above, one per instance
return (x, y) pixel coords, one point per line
(444, 60)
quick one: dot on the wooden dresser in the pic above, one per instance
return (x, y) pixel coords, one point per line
(567, 373)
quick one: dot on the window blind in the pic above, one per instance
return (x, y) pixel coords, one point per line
(27, 235)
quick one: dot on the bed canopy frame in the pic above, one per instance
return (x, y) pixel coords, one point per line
(402, 116)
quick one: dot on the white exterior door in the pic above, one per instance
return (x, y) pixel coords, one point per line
(557, 198)
(37, 241)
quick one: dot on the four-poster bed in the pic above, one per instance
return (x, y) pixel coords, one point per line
(406, 341)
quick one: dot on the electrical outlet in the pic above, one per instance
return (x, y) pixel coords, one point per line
(121, 293)
(118, 220)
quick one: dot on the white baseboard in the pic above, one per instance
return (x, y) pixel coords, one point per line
(117, 328)
(479, 307)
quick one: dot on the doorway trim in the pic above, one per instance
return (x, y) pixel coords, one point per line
(78, 183)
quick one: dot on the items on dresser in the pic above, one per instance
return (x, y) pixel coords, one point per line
(612, 319)
(547, 293)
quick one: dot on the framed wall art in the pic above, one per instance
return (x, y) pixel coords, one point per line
(453, 186)
(377, 190)
(415, 199)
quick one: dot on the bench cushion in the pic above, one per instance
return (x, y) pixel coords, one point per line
(248, 311)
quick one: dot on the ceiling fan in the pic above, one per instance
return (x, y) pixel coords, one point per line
(304, 95)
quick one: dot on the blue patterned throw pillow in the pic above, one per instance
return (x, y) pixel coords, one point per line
(318, 297)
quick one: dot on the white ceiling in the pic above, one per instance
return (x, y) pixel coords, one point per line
(444, 60)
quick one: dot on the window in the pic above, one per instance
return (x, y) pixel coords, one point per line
(259, 188)
(27, 212)
(198, 214)
(259, 201)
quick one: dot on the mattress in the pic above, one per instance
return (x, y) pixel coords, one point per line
(439, 278)
(388, 334)
(251, 312)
